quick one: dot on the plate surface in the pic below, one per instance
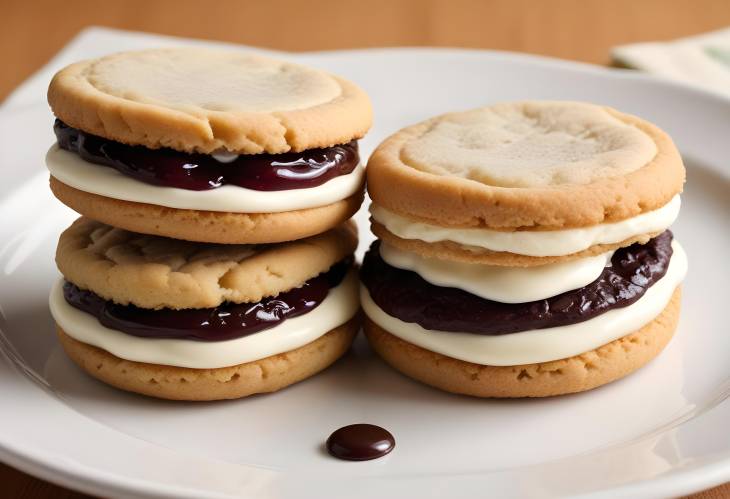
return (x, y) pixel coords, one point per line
(660, 432)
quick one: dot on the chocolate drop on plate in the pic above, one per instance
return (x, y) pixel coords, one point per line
(360, 442)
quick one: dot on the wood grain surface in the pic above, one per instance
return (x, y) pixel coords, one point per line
(584, 30)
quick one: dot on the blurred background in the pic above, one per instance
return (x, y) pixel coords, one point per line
(582, 30)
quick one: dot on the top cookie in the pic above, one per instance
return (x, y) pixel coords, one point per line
(156, 272)
(526, 165)
(200, 100)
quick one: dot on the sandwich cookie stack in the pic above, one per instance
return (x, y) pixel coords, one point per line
(214, 257)
(523, 248)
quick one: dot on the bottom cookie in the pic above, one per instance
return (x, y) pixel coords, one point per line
(181, 383)
(207, 226)
(575, 374)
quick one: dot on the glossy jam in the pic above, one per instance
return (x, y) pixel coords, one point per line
(360, 442)
(225, 322)
(407, 296)
(199, 172)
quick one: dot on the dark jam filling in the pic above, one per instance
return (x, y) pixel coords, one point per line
(407, 296)
(200, 172)
(225, 322)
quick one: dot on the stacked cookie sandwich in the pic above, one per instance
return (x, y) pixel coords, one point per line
(523, 249)
(214, 258)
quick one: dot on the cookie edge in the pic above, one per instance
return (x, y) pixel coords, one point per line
(207, 226)
(451, 251)
(76, 102)
(260, 376)
(579, 373)
(153, 286)
(407, 191)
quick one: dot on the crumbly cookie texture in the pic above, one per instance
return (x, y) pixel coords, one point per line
(530, 144)
(575, 374)
(207, 226)
(181, 383)
(202, 100)
(543, 165)
(449, 250)
(155, 272)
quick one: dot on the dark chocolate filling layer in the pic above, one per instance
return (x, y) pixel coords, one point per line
(407, 296)
(199, 172)
(225, 322)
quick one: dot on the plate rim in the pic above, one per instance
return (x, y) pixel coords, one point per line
(97, 481)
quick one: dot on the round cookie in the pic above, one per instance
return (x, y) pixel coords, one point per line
(178, 383)
(202, 100)
(202, 321)
(575, 374)
(209, 146)
(207, 226)
(525, 250)
(435, 171)
(539, 169)
(154, 272)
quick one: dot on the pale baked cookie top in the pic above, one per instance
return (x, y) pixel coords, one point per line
(156, 272)
(202, 100)
(531, 144)
(526, 165)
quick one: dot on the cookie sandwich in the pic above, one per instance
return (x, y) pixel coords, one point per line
(205, 145)
(523, 248)
(197, 321)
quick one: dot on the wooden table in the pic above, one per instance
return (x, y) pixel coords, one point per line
(582, 30)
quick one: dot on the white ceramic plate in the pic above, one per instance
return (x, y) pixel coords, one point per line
(660, 432)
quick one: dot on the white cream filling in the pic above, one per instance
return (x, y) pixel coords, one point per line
(70, 169)
(338, 307)
(502, 284)
(532, 243)
(224, 156)
(540, 345)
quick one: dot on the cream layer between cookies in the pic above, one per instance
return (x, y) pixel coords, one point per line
(539, 345)
(532, 243)
(340, 305)
(70, 169)
(498, 283)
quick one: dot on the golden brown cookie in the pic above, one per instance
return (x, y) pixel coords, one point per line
(575, 374)
(217, 116)
(539, 165)
(202, 100)
(155, 272)
(207, 226)
(179, 383)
